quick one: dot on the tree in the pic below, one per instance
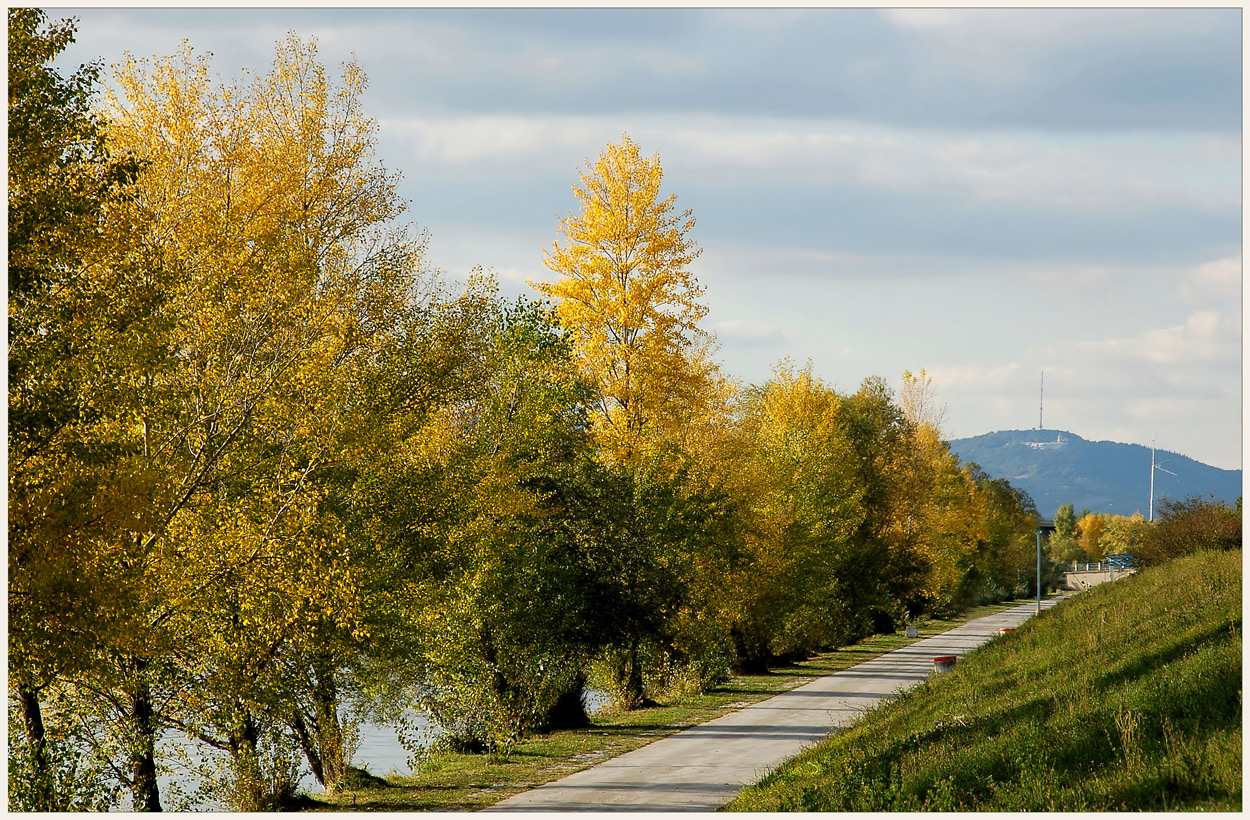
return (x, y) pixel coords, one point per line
(1005, 566)
(272, 220)
(1091, 527)
(1191, 525)
(70, 314)
(1124, 535)
(1064, 545)
(628, 297)
(802, 505)
(499, 545)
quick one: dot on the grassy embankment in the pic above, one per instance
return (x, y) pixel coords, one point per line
(1128, 696)
(457, 782)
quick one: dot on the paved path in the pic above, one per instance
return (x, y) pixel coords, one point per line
(704, 767)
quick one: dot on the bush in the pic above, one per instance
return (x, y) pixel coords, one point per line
(1193, 525)
(80, 780)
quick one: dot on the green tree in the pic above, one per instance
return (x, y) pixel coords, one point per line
(1187, 526)
(803, 510)
(71, 312)
(1064, 542)
(501, 560)
(1005, 566)
(1124, 535)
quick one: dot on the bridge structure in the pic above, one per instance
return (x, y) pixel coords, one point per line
(1077, 577)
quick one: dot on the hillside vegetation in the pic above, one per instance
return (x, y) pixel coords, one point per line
(1102, 476)
(1125, 697)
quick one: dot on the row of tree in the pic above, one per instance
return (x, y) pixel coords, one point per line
(270, 474)
(1184, 526)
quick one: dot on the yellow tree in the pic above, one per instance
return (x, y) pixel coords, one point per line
(1090, 531)
(802, 507)
(272, 215)
(628, 297)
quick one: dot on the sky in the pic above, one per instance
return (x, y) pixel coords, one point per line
(985, 194)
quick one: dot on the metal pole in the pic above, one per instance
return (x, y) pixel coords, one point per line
(1039, 572)
(1151, 514)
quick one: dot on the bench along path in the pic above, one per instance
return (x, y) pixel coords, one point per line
(704, 767)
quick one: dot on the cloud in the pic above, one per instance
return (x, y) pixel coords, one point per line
(1131, 169)
(1180, 382)
(1217, 281)
(1051, 69)
(1077, 68)
(752, 332)
(983, 192)
(1205, 337)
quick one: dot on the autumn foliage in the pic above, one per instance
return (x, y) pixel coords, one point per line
(271, 475)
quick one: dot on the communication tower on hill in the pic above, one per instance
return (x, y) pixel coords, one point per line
(1041, 395)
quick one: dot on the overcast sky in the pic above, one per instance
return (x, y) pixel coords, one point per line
(986, 194)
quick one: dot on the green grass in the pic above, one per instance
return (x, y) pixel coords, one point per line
(1126, 697)
(463, 782)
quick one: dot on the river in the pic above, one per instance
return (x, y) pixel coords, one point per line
(378, 752)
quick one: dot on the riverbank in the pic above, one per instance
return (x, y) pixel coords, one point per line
(466, 782)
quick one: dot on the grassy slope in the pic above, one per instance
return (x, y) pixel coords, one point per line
(457, 782)
(1128, 696)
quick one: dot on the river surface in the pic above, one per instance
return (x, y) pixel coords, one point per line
(378, 752)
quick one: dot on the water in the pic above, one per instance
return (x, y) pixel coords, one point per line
(378, 751)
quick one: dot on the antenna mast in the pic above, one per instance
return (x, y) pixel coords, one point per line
(1154, 467)
(1041, 395)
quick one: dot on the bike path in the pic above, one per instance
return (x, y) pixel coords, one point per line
(704, 767)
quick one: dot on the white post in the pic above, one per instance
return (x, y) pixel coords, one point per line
(1152, 482)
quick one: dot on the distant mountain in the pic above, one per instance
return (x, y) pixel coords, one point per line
(1056, 467)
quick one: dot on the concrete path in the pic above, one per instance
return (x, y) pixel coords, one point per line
(705, 766)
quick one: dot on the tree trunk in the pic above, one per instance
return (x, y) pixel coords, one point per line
(36, 739)
(309, 746)
(329, 729)
(569, 711)
(636, 694)
(629, 692)
(249, 784)
(144, 789)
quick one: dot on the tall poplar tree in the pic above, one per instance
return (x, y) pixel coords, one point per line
(290, 282)
(628, 297)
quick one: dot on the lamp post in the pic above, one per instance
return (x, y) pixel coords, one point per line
(1039, 572)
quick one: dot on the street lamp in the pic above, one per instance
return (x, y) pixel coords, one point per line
(1039, 571)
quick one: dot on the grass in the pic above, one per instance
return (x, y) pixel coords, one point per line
(466, 782)
(1126, 697)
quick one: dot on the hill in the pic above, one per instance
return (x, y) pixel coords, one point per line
(1056, 467)
(1126, 697)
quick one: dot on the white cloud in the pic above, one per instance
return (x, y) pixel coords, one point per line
(749, 332)
(1219, 280)
(974, 378)
(1127, 169)
(1205, 336)
(515, 142)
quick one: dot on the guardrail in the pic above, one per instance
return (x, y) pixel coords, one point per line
(1096, 566)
